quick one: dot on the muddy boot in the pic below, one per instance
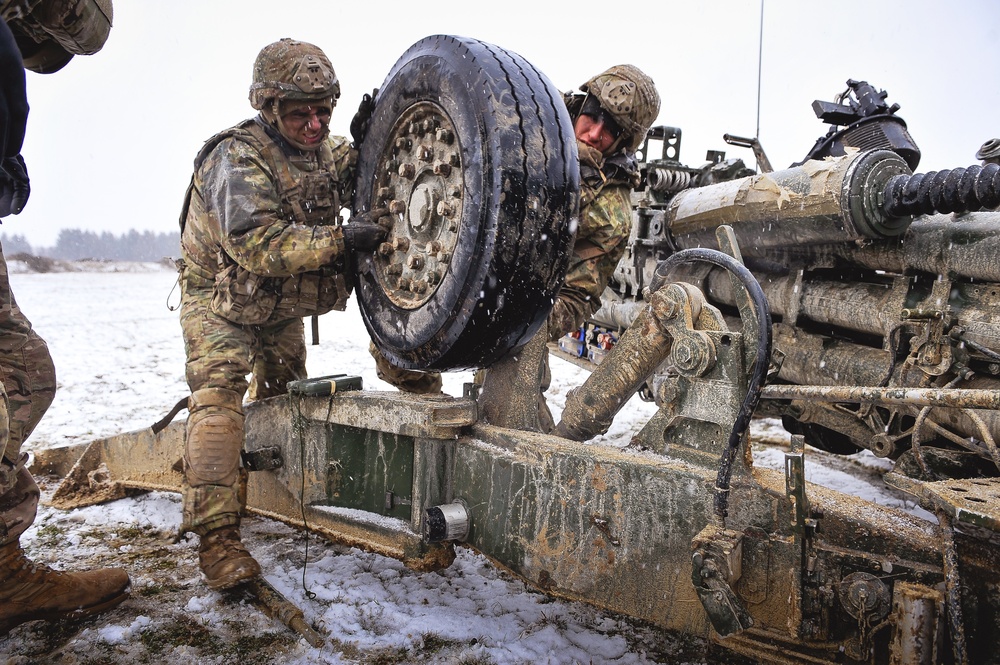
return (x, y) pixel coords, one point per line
(29, 591)
(224, 560)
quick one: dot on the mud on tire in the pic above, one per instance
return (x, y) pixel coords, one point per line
(472, 149)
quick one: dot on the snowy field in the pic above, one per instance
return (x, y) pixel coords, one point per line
(120, 366)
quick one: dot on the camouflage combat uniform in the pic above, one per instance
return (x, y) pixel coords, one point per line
(29, 386)
(28, 590)
(604, 226)
(262, 247)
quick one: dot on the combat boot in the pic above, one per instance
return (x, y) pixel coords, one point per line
(29, 591)
(224, 559)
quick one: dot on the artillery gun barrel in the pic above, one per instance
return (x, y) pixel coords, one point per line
(865, 195)
(952, 245)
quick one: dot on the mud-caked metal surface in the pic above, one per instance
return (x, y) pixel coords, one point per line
(421, 185)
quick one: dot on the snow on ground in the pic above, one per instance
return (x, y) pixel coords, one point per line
(120, 366)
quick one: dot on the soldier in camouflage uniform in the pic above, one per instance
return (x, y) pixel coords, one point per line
(29, 591)
(262, 246)
(610, 120)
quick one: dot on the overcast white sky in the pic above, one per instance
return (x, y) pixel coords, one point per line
(112, 136)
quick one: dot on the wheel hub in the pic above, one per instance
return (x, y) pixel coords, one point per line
(421, 185)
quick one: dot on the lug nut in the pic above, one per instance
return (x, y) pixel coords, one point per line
(385, 249)
(426, 154)
(397, 207)
(394, 269)
(415, 261)
(403, 143)
(383, 193)
(445, 136)
(407, 170)
(401, 243)
(444, 210)
(419, 286)
(442, 169)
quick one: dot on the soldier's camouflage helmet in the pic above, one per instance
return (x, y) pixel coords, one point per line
(289, 69)
(630, 97)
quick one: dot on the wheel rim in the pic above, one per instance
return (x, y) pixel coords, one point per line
(421, 185)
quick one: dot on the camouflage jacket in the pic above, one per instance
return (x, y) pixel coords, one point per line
(603, 229)
(260, 228)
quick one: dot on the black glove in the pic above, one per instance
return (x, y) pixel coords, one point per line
(14, 186)
(363, 234)
(359, 123)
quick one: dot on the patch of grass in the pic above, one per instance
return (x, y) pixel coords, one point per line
(178, 631)
(259, 649)
(243, 646)
(50, 534)
(388, 656)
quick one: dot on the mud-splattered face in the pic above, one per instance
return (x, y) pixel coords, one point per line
(598, 133)
(305, 125)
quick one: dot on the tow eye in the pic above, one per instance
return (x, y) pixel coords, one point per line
(717, 563)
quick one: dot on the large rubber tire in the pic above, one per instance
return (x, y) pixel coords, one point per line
(473, 150)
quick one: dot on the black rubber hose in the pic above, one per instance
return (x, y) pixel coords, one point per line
(763, 357)
(957, 190)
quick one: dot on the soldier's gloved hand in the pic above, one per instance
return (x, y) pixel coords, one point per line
(363, 233)
(359, 123)
(14, 186)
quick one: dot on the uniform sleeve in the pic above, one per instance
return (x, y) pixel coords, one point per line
(240, 192)
(604, 228)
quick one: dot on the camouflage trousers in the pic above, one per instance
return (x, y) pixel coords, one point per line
(28, 382)
(220, 356)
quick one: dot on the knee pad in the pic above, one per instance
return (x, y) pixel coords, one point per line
(214, 439)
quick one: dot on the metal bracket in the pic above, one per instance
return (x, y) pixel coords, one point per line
(717, 563)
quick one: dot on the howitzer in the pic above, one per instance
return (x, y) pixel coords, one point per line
(876, 278)
(678, 528)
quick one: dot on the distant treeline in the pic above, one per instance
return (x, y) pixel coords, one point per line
(76, 245)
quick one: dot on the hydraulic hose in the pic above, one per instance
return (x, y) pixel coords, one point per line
(760, 364)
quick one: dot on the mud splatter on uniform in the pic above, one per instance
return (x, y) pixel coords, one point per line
(262, 247)
(604, 227)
